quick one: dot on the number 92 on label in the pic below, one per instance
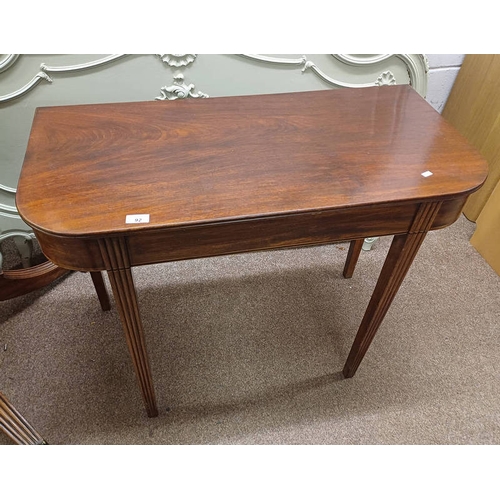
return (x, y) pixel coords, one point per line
(137, 219)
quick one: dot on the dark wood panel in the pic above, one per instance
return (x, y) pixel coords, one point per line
(77, 254)
(268, 233)
(210, 160)
(19, 282)
(316, 228)
(449, 212)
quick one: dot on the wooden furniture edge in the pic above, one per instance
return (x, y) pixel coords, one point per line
(84, 253)
(15, 283)
(15, 426)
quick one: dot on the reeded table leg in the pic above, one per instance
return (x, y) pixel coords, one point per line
(115, 255)
(352, 257)
(403, 250)
(16, 426)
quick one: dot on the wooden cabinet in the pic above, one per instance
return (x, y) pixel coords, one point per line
(474, 109)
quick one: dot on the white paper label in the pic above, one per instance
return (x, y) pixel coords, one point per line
(427, 173)
(137, 219)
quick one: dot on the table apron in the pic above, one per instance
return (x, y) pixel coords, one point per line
(268, 233)
(244, 235)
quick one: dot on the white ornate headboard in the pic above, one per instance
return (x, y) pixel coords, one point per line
(30, 81)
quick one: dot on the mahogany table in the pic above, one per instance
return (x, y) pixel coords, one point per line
(112, 186)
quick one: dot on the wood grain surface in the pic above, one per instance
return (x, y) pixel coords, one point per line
(241, 174)
(199, 161)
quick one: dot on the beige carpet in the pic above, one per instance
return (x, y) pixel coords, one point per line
(248, 349)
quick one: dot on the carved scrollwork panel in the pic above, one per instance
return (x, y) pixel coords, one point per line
(41, 75)
(177, 60)
(360, 60)
(7, 61)
(416, 66)
(179, 90)
(386, 78)
(82, 66)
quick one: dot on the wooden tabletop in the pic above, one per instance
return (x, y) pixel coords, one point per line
(203, 160)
